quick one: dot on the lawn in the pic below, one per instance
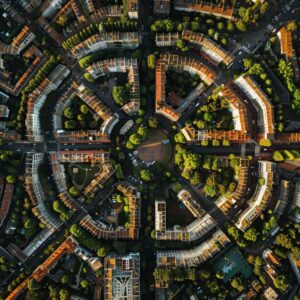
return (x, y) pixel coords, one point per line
(82, 174)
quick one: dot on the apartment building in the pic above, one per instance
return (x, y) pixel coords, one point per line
(133, 9)
(194, 135)
(286, 42)
(174, 62)
(36, 192)
(106, 40)
(121, 65)
(208, 46)
(67, 247)
(193, 231)
(5, 200)
(102, 230)
(295, 206)
(261, 103)
(122, 276)
(21, 41)
(59, 172)
(82, 156)
(261, 196)
(226, 202)
(286, 47)
(24, 79)
(191, 65)
(205, 7)
(237, 108)
(161, 106)
(166, 39)
(37, 99)
(190, 203)
(193, 257)
(94, 103)
(161, 7)
(283, 198)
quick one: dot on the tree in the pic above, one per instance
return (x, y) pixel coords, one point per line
(119, 94)
(241, 26)
(10, 179)
(265, 143)
(292, 26)
(69, 113)
(65, 279)
(135, 139)
(84, 283)
(251, 234)
(74, 192)
(103, 251)
(248, 62)
(151, 61)
(89, 77)
(179, 138)
(284, 241)
(281, 283)
(237, 284)
(277, 156)
(146, 175)
(84, 109)
(152, 122)
(233, 231)
(296, 253)
(64, 294)
(33, 285)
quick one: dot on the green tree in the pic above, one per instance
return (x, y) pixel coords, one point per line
(74, 192)
(119, 94)
(10, 179)
(251, 235)
(146, 175)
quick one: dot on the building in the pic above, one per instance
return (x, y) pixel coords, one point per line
(102, 230)
(121, 65)
(261, 103)
(237, 108)
(286, 46)
(261, 196)
(96, 105)
(269, 256)
(179, 64)
(122, 277)
(190, 203)
(68, 246)
(5, 200)
(295, 206)
(208, 46)
(106, 40)
(161, 7)
(133, 9)
(21, 41)
(195, 256)
(226, 202)
(37, 98)
(36, 192)
(270, 294)
(205, 7)
(194, 135)
(166, 39)
(283, 199)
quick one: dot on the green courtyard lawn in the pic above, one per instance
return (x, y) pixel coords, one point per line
(81, 174)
